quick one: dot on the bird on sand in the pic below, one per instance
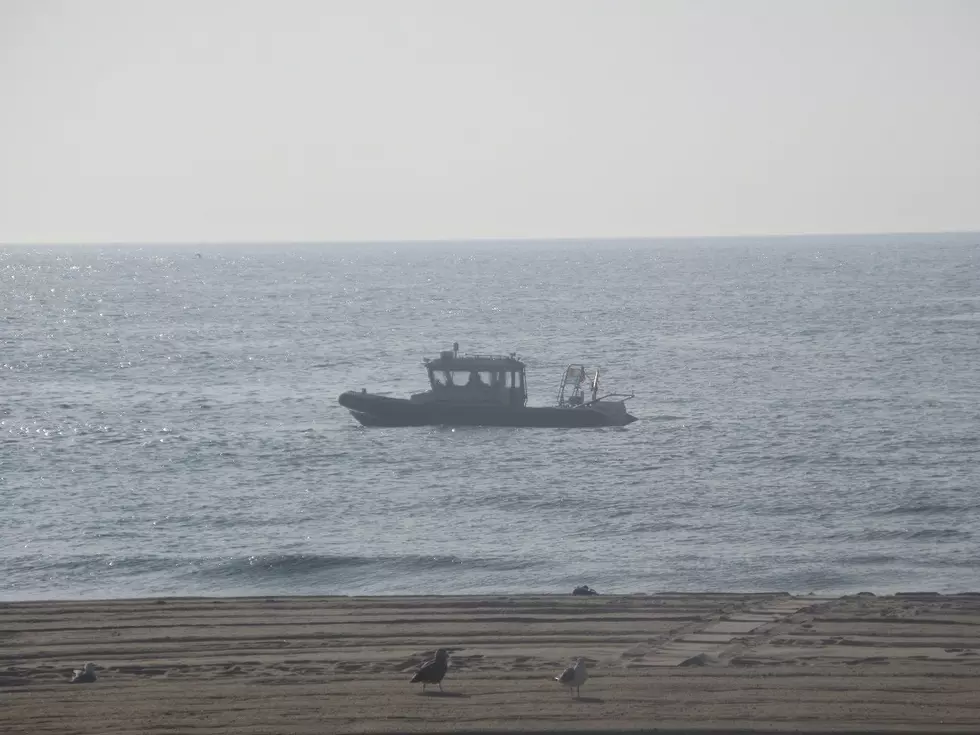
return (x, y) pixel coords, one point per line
(574, 677)
(432, 671)
(85, 675)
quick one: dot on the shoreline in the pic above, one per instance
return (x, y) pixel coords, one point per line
(674, 662)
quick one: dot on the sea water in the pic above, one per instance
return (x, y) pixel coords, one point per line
(809, 418)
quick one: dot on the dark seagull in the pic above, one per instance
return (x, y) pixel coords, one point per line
(431, 672)
(85, 675)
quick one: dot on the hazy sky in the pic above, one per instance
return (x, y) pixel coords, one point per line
(205, 120)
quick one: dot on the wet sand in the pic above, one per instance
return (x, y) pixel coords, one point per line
(671, 662)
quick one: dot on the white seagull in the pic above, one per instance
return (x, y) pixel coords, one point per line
(574, 677)
(84, 676)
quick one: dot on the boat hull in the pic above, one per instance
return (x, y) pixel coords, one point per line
(373, 410)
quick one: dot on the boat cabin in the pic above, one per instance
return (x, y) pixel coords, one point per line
(496, 379)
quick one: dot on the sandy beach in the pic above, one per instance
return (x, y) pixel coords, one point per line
(670, 662)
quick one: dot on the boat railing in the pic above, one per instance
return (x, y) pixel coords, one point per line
(622, 396)
(501, 358)
(489, 357)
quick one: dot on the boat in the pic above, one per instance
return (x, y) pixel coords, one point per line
(490, 390)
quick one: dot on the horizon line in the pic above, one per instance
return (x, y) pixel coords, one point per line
(478, 240)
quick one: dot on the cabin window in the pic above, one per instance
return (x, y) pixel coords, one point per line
(472, 378)
(491, 379)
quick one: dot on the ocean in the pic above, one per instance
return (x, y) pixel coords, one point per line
(809, 418)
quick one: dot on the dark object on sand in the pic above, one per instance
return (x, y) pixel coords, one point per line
(83, 676)
(431, 672)
(584, 590)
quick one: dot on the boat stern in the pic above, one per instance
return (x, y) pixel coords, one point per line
(614, 412)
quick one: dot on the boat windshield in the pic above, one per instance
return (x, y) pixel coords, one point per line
(467, 378)
(473, 378)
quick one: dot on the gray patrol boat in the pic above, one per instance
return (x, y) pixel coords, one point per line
(490, 390)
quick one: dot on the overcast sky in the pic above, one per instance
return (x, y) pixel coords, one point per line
(227, 120)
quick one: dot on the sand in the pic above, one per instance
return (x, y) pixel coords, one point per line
(674, 662)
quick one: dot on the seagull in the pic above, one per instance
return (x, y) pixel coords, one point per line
(83, 676)
(432, 671)
(574, 677)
